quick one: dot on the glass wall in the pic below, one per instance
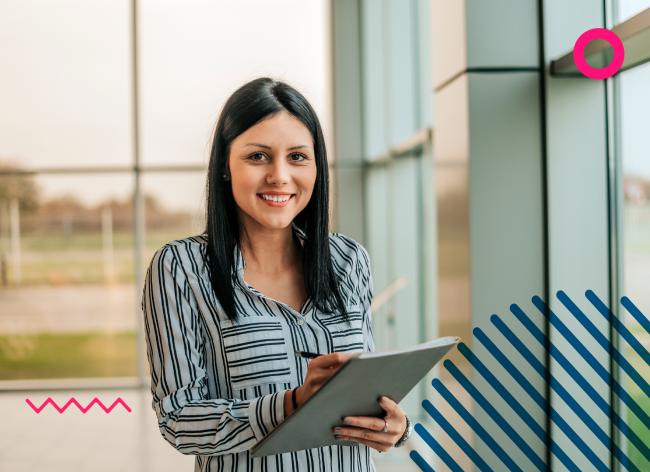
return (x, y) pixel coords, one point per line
(67, 276)
(522, 207)
(383, 161)
(71, 247)
(632, 102)
(635, 241)
(66, 230)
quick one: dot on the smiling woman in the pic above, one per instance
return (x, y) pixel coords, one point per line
(268, 173)
(263, 126)
(225, 310)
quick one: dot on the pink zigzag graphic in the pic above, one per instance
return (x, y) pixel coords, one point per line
(81, 408)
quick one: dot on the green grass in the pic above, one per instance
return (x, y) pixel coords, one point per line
(47, 356)
(54, 259)
(78, 240)
(643, 401)
(644, 434)
(92, 240)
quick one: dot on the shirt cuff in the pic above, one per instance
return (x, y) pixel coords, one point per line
(266, 413)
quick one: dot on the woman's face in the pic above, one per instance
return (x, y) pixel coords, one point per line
(272, 171)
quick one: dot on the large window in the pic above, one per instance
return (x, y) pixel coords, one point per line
(72, 244)
(635, 206)
(634, 231)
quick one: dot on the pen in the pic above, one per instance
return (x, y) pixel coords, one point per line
(308, 355)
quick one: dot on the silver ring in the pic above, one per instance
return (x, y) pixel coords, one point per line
(385, 430)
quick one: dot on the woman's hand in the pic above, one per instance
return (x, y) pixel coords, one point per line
(319, 370)
(368, 430)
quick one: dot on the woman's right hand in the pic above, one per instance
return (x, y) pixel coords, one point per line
(319, 370)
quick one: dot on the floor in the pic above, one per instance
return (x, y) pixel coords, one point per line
(97, 441)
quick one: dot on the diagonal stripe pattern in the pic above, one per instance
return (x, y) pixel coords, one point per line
(515, 408)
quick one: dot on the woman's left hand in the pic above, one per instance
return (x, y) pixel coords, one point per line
(368, 430)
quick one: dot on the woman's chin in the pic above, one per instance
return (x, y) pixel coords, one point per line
(275, 223)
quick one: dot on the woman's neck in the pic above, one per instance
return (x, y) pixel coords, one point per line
(270, 251)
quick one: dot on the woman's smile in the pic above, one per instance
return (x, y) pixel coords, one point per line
(276, 199)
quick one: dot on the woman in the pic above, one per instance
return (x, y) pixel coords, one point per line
(225, 311)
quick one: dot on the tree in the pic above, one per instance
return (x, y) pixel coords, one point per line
(20, 186)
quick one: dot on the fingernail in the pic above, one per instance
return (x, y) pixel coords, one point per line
(346, 420)
(337, 430)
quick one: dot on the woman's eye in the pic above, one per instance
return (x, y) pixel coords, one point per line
(253, 157)
(300, 157)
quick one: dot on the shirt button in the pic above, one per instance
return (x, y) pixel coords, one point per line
(301, 321)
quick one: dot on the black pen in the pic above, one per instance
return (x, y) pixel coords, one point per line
(308, 355)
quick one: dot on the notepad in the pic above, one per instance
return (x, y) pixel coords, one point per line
(353, 391)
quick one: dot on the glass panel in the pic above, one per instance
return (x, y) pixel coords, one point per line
(635, 102)
(174, 207)
(194, 56)
(629, 8)
(66, 285)
(66, 83)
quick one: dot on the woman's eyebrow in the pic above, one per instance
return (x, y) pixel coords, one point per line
(269, 147)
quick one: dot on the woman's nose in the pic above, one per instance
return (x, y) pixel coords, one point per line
(278, 172)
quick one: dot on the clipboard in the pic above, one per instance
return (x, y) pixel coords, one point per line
(353, 391)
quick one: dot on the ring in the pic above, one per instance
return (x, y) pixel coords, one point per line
(385, 430)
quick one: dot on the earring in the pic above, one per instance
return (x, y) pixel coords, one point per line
(225, 177)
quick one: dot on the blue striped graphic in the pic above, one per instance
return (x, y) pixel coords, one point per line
(476, 426)
(419, 460)
(589, 358)
(573, 372)
(595, 333)
(602, 436)
(636, 313)
(618, 326)
(453, 434)
(437, 448)
(513, 405)
(500, 420)
(542, 403)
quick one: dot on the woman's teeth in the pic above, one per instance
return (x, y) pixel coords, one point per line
(276, 198)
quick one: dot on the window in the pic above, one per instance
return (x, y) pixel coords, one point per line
(635, 231)
(72, 248)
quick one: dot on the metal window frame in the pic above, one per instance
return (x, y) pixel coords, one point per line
(416, 143)
(635, 34)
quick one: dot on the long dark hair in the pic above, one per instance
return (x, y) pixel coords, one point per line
(247, 106)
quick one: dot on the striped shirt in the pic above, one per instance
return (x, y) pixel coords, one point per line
(218, 386)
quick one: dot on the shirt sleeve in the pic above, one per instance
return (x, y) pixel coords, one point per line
(364, 272)
(187, 418)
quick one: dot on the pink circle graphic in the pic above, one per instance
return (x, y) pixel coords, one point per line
(579, 53)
